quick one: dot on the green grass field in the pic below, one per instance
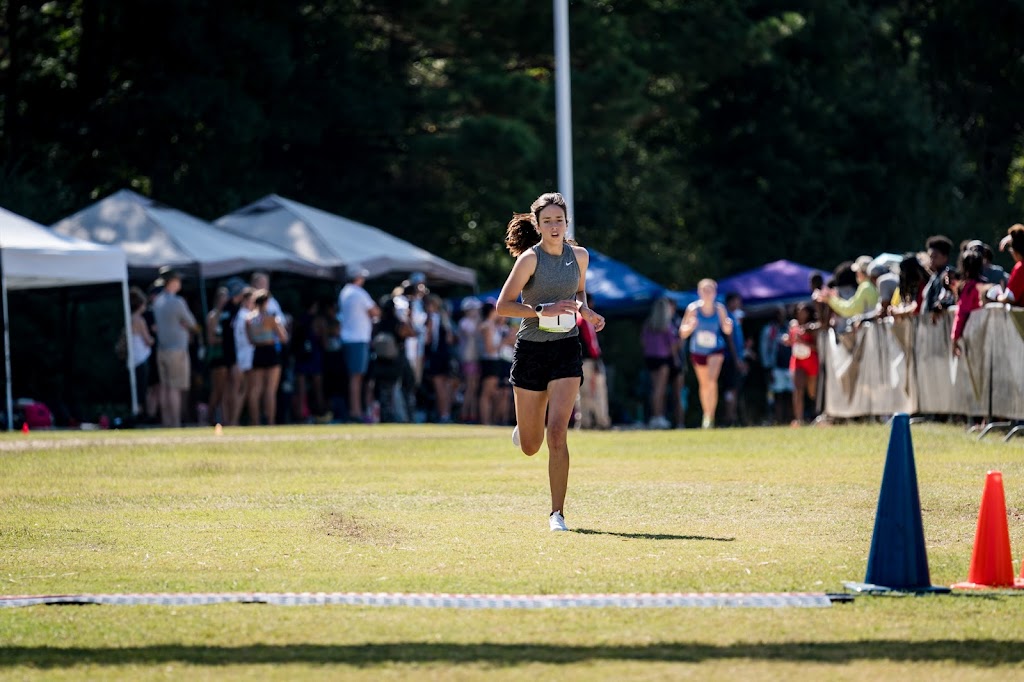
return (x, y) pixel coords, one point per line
(457, 509)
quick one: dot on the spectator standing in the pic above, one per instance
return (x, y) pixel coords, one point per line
(863, 300)
(142, 341)
(267, 335)
(594, 391)
(469, 358)
(888, 283)
(335, 372)
(677, 375)
(415, 291)
(706, 323)
(971, 265)
(308, 350)
(734, 368)
(175, 325)
(357, 311)
(218, 326)
(821, 309)
(153, 371)
(775, 356)
(491, 333)
(243, 356)
(937, 296)
(909, 296)
(437, 364)
(1014, 242)
(389, 363)
(261, 280)
(659, 342)
(990, 272)
(232, 390)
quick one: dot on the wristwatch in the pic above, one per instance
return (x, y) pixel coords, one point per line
(539, 308)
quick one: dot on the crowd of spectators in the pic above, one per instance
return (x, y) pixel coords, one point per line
(929, 282)
(402, 357)
(407, 357)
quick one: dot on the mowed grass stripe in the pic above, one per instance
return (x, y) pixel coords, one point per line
(458, 510)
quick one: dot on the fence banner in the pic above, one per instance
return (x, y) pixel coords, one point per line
(906, 365)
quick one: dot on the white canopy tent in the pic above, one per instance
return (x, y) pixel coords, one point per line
(153, 235)
(335, 242)
(33, 257)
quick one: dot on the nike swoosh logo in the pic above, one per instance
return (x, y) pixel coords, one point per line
(568, 262)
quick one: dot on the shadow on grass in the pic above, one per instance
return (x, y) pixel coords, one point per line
(978, 652)
(649, 536)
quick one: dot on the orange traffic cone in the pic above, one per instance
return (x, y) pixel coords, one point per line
(991, 562)
(24, 427)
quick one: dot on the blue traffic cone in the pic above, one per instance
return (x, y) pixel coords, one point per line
(898, 559)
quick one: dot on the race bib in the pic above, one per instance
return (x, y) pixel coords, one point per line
(556, 323)
(706, 339)
(801, 351)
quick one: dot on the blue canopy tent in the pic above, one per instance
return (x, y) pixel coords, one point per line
(617, 288)
(613, 286)
(781, 282)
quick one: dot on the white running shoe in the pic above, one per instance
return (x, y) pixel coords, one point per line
(557, 521)
(707, 423)
(515, 436)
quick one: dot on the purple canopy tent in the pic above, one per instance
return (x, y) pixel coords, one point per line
(781, 282)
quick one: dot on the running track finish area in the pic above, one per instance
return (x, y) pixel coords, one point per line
(452, 601)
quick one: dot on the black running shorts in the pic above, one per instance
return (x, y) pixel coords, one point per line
(537, 362)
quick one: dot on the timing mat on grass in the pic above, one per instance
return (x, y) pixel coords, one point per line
(438, 601)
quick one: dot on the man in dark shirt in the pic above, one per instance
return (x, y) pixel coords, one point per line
(937, 295)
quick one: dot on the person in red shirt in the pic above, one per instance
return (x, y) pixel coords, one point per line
(594, 391)
(1014, 241)
(970, 297)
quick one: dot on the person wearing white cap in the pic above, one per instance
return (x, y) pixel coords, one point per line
(357, 311)
(863, 300)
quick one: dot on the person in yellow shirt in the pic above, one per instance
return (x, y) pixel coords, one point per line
(863, 300)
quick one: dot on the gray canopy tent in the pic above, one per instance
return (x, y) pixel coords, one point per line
(34, 257)
(335, 242)
(154, 235)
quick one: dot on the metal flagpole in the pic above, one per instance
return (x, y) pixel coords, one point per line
(129, 359)
(563, 108)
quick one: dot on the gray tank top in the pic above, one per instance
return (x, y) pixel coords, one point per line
(557, 278)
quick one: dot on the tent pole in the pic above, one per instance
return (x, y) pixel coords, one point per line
(202, 297)
(7, 353)
(130, 354)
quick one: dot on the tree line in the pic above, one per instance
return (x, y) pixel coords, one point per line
(709, 135)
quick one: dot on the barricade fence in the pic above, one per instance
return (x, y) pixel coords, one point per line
(907, 365)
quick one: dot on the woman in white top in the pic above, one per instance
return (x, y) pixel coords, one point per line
(469, 359)
(244, 350)
(142, 341)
